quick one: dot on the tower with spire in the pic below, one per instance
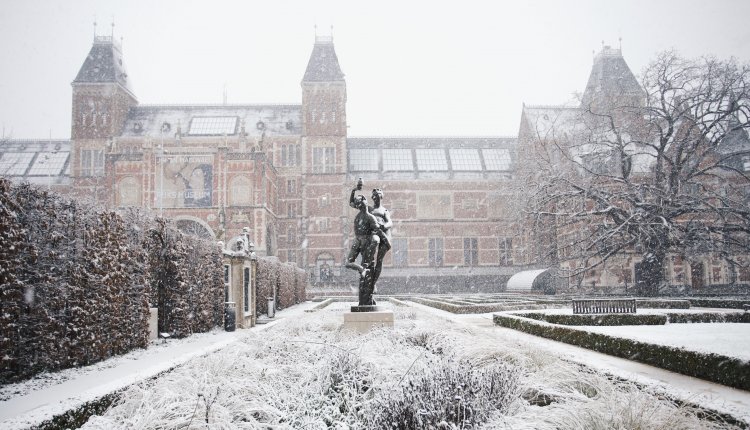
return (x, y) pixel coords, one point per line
(611, 83)
(102, 97)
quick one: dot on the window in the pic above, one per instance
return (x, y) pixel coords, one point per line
(291, 186)
(506, 251)
(226, 283)
(746, 163)
(465, 159)
(212, 125)
(290, 155)
(92, 162)
(396, 160)
(436, 252)
(48, 163)
(400, 251)
(291, 236)
(291, 209)
(291, 256)
(324, 160)
(246, 289)
(129, 192)
(431, 160)
(363, 160)
(471, 251)
(15, 163)
(496, 159)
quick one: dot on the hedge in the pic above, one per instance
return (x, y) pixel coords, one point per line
(286, 282)
(719, 303)
(598, 319)
(709, 317)
(730, 371)
(76, 281)
(662, 304)
(475, 309)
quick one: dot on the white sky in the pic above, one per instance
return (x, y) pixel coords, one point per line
(412, 67)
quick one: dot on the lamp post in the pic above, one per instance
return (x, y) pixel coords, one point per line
(161, 176)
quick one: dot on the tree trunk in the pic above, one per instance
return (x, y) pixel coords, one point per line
(650, 273)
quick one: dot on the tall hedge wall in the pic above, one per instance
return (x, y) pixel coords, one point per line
(286, 282)
(76, 282)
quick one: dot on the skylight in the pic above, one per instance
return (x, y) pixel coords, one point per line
(48, 163)
(465, 159)
(496, 159)
(397, 160)
(431, 160)
(15, 163)
(363, 159)
(213, 125)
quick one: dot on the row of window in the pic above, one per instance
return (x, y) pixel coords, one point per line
(430, 160)
(435, 252)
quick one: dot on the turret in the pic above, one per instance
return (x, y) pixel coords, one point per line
(611, 84)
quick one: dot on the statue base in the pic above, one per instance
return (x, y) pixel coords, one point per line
(365, 308)
(362, 321)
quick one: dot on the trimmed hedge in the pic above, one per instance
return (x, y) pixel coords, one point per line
(475, 309)
(662, 304)
(720, 303)
(286, 282)
(729, 371)
(598, 319)
(709, 317)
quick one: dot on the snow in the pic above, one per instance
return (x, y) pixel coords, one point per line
(272, 374)
(523, 281)
(728, 339)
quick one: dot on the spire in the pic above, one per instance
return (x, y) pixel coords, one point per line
(324, 64)
(104, 65)
(610, 79)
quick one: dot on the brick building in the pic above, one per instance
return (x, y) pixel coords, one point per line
(286, 171)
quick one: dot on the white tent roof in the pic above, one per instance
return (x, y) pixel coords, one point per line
(522, 281)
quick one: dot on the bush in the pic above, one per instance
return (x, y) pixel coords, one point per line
(598, 319)
(730, 371)
(286, 282)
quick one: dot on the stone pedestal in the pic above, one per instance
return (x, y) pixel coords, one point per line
(362, 322)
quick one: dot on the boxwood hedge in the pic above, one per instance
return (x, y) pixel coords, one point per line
(729, 371)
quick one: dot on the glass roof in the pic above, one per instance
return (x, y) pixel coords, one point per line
(496, 159)
(48, 163)
(397, 160)
(212, 125)
(363, 159)
(431, 159)
(465, 159)
(15, 163)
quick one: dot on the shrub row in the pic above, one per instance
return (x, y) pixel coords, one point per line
(709, 317)
(597, 319)
(76, 282)
(475, 309)
(719, 303)
(729, 371)
(662, 304)
(285, 282)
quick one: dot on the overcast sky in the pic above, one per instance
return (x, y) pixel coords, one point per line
(412, 67)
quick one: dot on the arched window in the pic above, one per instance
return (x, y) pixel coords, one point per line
(194, 228)
(324, 266)
(128, 192)
(240, 191)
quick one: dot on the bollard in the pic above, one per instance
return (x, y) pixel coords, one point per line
(271, 307)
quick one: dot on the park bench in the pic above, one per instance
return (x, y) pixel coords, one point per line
(604, 306)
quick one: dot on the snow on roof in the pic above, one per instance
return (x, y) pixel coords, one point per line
(546, 122)
(35, 161)
(153, 120)
(104, 65)
(523, 281)
(324, 64)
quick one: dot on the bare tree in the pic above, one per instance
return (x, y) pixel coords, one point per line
(656, 172)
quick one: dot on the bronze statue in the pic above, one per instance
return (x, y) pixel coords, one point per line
(372, 229)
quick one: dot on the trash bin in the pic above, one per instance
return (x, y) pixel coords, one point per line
(271, 307)
(230, 316)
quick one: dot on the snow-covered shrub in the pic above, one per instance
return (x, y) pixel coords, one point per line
(284, 282)
(442, 393)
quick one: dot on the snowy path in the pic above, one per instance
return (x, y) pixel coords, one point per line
(692, 390)
(54, 394)
(49, 395)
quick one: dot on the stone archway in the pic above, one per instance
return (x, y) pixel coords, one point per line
(195, 227)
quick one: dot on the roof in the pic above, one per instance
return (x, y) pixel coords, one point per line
(324, 64)
(431, 157)
(547, 121)
(150, 120)
(610, 77)
(524, 281)
(43, 161)
(104, 65)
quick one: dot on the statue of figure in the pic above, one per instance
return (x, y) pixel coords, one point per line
(384, 233)
(366, 241)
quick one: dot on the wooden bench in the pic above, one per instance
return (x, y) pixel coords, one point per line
(604, 306)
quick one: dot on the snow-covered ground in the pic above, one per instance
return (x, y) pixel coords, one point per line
(303, 371)
(731, 340)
